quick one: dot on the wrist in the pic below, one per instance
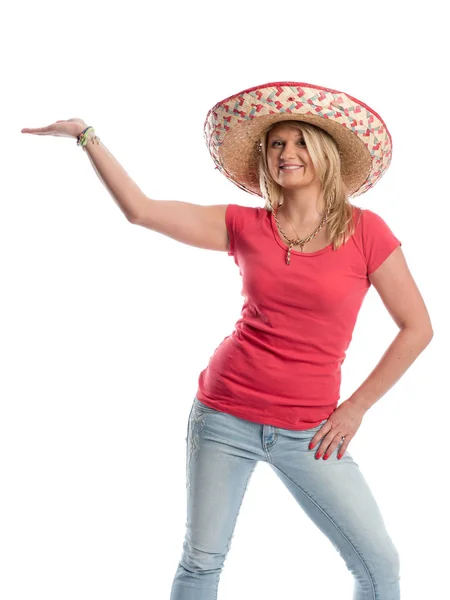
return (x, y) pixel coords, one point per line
(80, 129)
(87, 135)
(361, 403)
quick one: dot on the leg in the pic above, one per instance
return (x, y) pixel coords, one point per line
(217, 475)
(337, 498)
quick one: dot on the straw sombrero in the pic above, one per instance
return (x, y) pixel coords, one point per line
(234, 125)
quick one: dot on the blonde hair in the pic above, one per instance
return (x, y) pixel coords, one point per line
(327, 163)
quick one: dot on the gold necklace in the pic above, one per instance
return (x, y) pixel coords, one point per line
(298, 241)
(289, 221)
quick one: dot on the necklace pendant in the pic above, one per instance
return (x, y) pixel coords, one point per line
(288, 257)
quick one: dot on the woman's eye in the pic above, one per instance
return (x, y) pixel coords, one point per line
(278, 143)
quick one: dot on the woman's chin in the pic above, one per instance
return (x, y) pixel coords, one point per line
(292, 184)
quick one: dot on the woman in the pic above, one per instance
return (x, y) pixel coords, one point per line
(270, 392)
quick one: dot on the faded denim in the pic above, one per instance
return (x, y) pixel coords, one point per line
(222, 452)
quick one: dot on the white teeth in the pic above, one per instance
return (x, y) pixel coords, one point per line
(290, 168)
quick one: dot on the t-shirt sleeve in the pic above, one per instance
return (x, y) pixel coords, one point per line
(378, 240)
(236, 218)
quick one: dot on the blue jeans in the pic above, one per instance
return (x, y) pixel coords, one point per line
(222, 452)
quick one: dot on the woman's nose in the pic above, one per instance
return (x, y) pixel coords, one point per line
(289, 150)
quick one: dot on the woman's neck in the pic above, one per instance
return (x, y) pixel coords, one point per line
(302, 209)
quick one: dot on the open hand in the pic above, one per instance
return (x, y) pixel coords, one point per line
(70, 128)
(343, 423)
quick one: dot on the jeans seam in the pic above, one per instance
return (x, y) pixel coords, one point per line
(337, 527)
(240, 505)
(235, 521)
(268, 447)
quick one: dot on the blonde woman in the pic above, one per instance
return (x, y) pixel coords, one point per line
(307, 258)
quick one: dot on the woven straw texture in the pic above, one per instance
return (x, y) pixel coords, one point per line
(233, 127)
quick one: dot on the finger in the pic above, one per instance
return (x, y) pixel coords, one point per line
(332, 447)
(319, 435)
(38, 130)
(329, 443)
(343, 448)
(322, 449)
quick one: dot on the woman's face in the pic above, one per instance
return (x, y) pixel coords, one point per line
(288, 159)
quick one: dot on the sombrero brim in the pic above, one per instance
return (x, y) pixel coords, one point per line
(233, 128)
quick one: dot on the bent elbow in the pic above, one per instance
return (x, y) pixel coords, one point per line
(426, 335)
(420, 336)
(132, 218)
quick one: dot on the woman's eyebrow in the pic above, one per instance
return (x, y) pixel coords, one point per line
(280, 137)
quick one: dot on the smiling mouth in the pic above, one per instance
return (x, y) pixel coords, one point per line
(290, 167)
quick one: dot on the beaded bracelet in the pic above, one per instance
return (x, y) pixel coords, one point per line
(86, 136)
(81, 139)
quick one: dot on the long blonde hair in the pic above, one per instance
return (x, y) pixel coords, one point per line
(327, 163)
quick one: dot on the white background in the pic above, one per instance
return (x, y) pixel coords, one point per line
(106, 326)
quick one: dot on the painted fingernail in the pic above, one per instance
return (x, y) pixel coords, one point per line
(318, 455)
(311, 446)
(326, 456)
(339, 456)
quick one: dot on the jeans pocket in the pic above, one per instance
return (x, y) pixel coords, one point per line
(202, 408)
(317, 427)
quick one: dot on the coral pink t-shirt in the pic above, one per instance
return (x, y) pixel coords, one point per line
(281, 366)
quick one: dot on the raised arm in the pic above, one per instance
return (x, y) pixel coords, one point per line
(193, 224)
